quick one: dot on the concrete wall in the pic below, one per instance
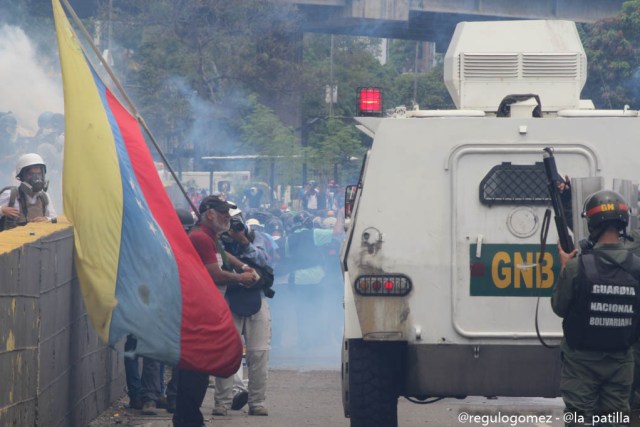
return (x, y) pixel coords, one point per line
(54, 371)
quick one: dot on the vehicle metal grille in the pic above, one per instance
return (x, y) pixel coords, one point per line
(515, 184)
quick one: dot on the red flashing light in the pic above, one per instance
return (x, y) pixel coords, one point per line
(369, 101)
(388, 285)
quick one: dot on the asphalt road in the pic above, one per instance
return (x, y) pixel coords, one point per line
(304, 387)
(312, 399)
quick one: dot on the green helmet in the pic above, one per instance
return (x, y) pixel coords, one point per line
(606, 206)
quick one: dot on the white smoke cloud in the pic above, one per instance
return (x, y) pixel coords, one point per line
(30, 85)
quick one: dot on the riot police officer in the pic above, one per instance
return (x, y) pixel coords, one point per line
(597, 296)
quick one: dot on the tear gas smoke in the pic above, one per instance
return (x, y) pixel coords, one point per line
(32, 86)
(31, 82)
(307, 322)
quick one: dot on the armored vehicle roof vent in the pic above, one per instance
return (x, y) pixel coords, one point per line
(487, 61)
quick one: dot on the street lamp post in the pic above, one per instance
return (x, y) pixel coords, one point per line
(305, 144)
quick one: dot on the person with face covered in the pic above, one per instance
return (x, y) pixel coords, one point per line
(29, 202)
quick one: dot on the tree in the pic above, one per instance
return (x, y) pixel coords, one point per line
(222, 78)
(332, 141)
(264, 133)
(612, 53)
(431, 92)
(197, 68)
(335, 149)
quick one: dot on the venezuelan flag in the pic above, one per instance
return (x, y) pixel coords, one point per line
(138, 271)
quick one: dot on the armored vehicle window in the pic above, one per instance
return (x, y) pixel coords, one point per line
(509, 184)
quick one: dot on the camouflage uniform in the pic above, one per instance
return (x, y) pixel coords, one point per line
(591, 382)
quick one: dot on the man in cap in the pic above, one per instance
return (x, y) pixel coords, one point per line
(222, 267)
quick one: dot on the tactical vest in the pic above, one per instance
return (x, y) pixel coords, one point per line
(27, 212)
(603, 315)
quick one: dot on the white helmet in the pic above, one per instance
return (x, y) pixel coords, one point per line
(29, 159)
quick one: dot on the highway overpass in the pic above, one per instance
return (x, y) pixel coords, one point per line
(434, 20)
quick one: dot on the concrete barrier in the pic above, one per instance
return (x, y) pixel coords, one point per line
(54, 370)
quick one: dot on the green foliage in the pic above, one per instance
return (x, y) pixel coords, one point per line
(333, 147)
(354, 65)
(191, 65)
(431, 92)
(214, 78)
(331, 141)
(264, 133)
(612, 54)
(402, 55)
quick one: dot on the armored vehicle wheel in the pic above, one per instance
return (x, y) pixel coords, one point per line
(373, 376)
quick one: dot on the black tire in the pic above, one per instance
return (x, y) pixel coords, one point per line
(374, 374)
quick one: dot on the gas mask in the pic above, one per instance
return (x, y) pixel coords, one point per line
(34, 184)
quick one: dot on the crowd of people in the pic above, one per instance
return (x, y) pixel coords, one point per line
(313, 197)
(244, 251)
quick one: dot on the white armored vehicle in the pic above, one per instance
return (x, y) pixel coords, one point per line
(441, 271)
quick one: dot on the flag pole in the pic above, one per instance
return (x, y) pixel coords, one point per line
(132, 107)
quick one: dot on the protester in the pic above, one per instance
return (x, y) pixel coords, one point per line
(28, 202)
(333, 195)
(145, 391)
(214, 220)
(307, 260)
(252, 318)
(310, 198)
(252, 198)
(303, 248)
(187, 219)
(264, 240)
